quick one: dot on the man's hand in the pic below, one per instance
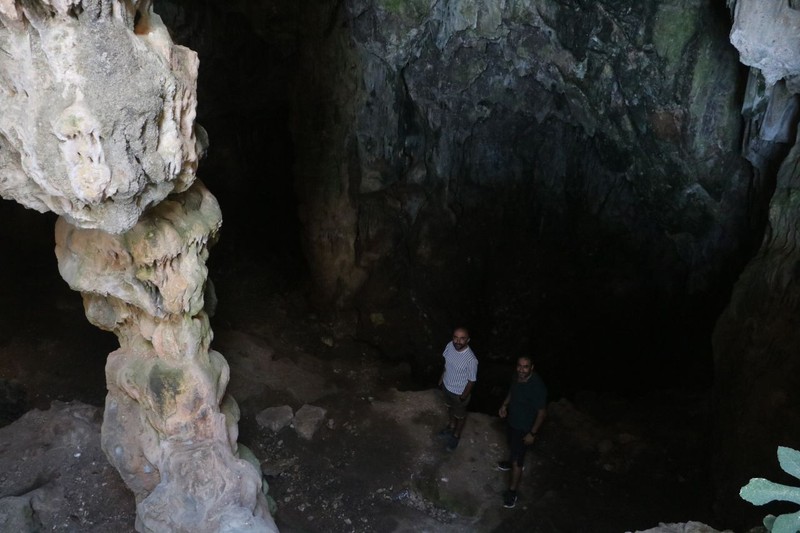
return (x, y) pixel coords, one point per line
(503, 412)
(529, 438)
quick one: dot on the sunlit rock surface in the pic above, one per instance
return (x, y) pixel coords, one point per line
(97, 125)
(98, 110)
(767, 35)
(168, 427)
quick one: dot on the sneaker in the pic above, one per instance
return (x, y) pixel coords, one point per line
(510, 499)
(452, 444)
(504, 466)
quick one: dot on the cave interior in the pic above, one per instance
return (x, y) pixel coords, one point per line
(584, 186)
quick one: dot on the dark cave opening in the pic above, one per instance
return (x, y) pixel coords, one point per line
(48, 350)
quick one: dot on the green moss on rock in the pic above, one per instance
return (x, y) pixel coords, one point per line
(674, 27)
(406, 9)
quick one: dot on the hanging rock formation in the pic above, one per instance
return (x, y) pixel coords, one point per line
(98, 126)
(757, 369)
(93, 132)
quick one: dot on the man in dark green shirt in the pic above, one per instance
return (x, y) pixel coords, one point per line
(525, 407)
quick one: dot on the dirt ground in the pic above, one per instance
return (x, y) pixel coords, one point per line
(603, 464)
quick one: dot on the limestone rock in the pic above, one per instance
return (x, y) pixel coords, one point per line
(158, 266)
(307, 420)
(275, 418)
(757, 333)
(588, 118)
(767, 35)
(98, 110)
(16, 514)
(98, 127)
(53, 465)
(458, 96)
(166, 408)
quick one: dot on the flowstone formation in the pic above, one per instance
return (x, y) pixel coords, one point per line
(98, 126)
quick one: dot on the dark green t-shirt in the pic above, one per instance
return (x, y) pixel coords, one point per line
(526, 400)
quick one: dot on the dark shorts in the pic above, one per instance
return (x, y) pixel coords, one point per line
(453, 401)
(516, 443)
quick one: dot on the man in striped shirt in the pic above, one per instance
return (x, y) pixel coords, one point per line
(456, 382)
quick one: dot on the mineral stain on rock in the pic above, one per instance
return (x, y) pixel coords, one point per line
(165, 384)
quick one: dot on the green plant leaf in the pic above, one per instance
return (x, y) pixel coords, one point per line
(789, 460)
(787, 523)
(760, 491)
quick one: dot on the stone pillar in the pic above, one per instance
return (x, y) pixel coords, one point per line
(97, 125)
(168, 428)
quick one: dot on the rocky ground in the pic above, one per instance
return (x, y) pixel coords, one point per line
(374, 464)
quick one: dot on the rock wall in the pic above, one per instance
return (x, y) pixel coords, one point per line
(98, 126)
(544, 171)
(587, 168)
(757, 371)
(563, 170)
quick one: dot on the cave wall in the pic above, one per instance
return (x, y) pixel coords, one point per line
(755, 341)
(541, 171)
(563, 176)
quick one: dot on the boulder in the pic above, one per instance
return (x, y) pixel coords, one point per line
(275, 418)
(307, 420)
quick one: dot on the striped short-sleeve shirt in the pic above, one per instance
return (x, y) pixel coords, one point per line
(459, 368)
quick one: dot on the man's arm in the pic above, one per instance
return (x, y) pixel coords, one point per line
(444, 368)
(467, 390)
(540, 416)
(504, 408)
(531, 435)
(472, 377)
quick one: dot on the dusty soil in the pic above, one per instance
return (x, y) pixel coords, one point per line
(603, 464)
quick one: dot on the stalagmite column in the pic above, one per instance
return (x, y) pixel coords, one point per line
(97, 124)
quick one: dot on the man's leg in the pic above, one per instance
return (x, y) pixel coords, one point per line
(517, 459)
(516, 475)
(459, 413)
(459, 426)
(455, 438)
(451, 419)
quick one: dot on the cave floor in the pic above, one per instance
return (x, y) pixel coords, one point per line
(603, 464)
